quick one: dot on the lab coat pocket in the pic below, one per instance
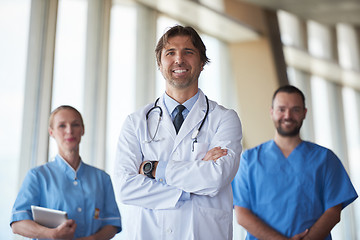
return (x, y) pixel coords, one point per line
(217, 223)
(199, 150)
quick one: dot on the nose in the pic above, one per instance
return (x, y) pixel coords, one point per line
(179, 58)
(69, 129)
(287, 113)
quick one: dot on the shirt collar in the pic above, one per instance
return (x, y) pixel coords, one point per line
(171, 104)
(65, 166)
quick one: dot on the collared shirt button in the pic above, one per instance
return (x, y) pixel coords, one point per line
(75, 183)
(79, 209)
(169, 230)
(161, 180)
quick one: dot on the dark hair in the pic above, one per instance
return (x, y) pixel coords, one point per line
(178, 30)
(62, 107)
(288, 89)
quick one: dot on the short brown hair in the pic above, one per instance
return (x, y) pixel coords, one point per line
(178, 30)
(289, 89)
(62, 107)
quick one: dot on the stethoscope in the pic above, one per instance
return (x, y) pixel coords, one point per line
(194, 135)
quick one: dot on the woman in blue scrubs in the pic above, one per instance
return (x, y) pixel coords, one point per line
(67, 184)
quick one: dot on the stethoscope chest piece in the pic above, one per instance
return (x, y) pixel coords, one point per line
(195, 134)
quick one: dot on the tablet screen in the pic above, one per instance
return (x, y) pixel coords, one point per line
(48, 217)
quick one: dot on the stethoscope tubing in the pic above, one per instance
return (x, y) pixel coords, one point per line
(193, 136)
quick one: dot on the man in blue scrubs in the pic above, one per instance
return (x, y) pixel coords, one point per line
(288, 188)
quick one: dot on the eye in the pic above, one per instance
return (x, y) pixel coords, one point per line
(170, 53)
(296, 110)
(62, 126)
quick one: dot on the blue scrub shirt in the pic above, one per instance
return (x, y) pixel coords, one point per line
(290, 194)
(86, 195)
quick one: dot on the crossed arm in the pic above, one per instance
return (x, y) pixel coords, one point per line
(256, 227)
(168, 191)
(213, 154)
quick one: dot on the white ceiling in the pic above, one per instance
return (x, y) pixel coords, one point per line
(327, 12)
(206, 19)
(208, 16)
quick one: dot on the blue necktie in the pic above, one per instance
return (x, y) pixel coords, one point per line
(179, 119)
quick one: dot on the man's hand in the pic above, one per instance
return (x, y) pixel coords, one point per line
(105, 233)
(214, 154)
(300, 235)
(66, 230)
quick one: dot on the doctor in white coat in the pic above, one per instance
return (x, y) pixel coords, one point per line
(178, 184)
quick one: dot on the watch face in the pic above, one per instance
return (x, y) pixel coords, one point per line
(147, 167)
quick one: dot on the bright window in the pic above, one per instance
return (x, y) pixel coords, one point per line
(68, 85)
(320, 112)
(121, 86)
(351, 101)
(13, 49)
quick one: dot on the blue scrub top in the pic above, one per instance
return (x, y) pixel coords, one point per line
(86, 195)
(290, 194)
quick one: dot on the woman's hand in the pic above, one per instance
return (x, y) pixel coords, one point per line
(66, 230)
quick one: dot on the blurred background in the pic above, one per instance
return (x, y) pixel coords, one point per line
(98, 56)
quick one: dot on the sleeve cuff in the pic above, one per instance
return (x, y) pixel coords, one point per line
(184, 196)
(160, 172)
(21, 215)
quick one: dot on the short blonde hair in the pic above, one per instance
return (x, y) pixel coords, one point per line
(62, 107)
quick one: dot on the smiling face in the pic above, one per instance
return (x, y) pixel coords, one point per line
(288, 113)
(180, 64)
(66, 128)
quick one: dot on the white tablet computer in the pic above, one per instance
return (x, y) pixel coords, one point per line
(48, 217)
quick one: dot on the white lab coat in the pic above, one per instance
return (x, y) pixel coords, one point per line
(156, 212)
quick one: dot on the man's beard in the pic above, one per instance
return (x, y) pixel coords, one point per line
(291, 133)
(180, 84)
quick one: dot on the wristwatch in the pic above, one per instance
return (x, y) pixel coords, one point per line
(148, 168)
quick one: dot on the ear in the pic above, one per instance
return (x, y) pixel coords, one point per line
(51, 132)
(305, 112)
(83, 131)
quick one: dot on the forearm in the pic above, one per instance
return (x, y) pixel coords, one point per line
(105, 233)
(209, 177)
(31, 229)
(322, 227)
(255, 226)
(134, 188)
(202, 177)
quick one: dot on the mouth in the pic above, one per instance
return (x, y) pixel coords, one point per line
(288, 123)
(179, 71)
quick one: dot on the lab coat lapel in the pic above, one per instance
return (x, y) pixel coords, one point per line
(195, 116)
(166, 122)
